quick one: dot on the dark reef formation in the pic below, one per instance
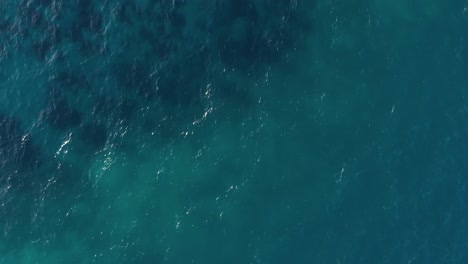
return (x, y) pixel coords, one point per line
(59, 113)
(163, 54)
(93, 135)
(15, 147)
(155, 61)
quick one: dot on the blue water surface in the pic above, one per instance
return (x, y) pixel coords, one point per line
(233, 131)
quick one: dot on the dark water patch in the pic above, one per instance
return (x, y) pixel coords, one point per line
(226, 12)
(5, 25)
(39, 37)
(233, 94)
(33, 25)
(54, 34)
(240, 51)
(86, 27)
(161, 47)
(36, 18)
(257, 33)
(107, 107)
(76, 21)
(175, 84)
(20, 181)
(72, 82)
(90, 47)
(31, 14)
(170, 91)
(127, 11)
(158, 33)
(177, 20)
(42, 3)
(87, 43)
(41, 48)
(94, 135)
(161, 7)
(16, 148)
(181, 84)
(58, 112)
(134, 77)
(126, 109)
(86, 16)
(104, 105)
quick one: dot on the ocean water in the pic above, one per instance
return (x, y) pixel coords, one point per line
(233, 131)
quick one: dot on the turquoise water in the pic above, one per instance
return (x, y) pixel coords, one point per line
(233, 131)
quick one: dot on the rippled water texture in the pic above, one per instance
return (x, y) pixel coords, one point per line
(233, 131)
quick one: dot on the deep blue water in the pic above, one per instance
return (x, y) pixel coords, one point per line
(233, 131)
